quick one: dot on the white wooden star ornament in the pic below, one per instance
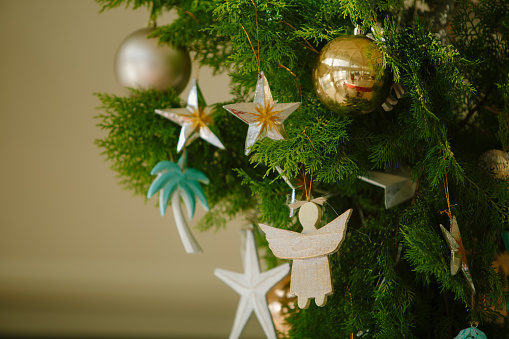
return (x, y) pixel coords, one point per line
(194, 118)
(264, 116)
(252, 285)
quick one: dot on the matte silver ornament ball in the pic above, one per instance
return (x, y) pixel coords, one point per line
(496, 162)
(142, 63)
(345, 77)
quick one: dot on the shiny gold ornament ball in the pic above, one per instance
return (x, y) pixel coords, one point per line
(280, 300)
(345, 76)
(142, 63)
(496, 162)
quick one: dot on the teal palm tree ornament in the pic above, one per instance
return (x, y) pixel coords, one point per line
(174, 181)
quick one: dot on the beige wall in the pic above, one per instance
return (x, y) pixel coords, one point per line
(79, 255)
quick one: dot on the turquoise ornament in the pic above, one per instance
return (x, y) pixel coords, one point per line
(174, 182)
(471, 333)
(171, 178)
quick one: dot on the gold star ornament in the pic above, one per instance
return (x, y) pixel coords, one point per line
(264, 116)
(195, 119)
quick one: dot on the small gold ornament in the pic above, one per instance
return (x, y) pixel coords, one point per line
(496, 162)
(501, 266)
(345, 77)
(142, 63)
(280, 300)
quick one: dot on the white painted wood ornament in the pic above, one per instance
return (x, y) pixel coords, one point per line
(253, 285)
(311, 276)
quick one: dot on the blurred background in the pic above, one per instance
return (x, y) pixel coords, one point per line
(80, 256)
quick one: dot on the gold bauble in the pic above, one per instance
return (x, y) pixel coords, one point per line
(501, 266)
(143, 63)
(496, 162)
(280, 300)
(345, 76)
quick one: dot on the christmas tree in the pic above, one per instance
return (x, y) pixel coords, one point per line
(446, 136)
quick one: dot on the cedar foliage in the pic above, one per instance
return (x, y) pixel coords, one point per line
(456, 107)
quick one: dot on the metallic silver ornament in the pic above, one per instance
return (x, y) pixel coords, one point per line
(264, 115)
(345, 79)
(398, 185)
(496, 162)
(458, 257)
(195, 119)
(142, 63)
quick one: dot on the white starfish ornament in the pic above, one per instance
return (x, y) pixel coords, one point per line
(252, 285)
(264, 116)
(194, 119)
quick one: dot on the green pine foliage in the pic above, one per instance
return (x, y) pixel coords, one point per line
(138, 139)
(392, 273)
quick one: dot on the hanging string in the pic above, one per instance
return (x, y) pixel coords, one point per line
(198, 52)
(257, 35)
(252, 47)
(257, 55)
(183, 164)
(308, 187)
(473, 321)
(304, 132)
(192, 16)
(351, 304)
(446, 188)
(304, 179)
(300, 90)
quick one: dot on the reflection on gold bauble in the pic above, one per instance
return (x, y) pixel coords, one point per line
(345, 76)
(280, 300)
(496, 162)
(144, 64)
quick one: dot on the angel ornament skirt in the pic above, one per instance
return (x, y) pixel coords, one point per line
(311, 279)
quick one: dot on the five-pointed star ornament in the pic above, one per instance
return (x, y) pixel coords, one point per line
(194, 119)
(264, 116)
(458, 252)
(252, 285)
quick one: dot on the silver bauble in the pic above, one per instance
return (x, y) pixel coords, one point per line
(345, 78)
(496, 162)
(142, 63)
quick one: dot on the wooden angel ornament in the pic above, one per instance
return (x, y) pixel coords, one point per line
(309, 250)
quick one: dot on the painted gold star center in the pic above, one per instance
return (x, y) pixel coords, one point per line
(199, 119)
(461, 249)
(266, 117)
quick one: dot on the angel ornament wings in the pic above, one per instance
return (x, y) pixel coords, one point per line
(311, 276)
